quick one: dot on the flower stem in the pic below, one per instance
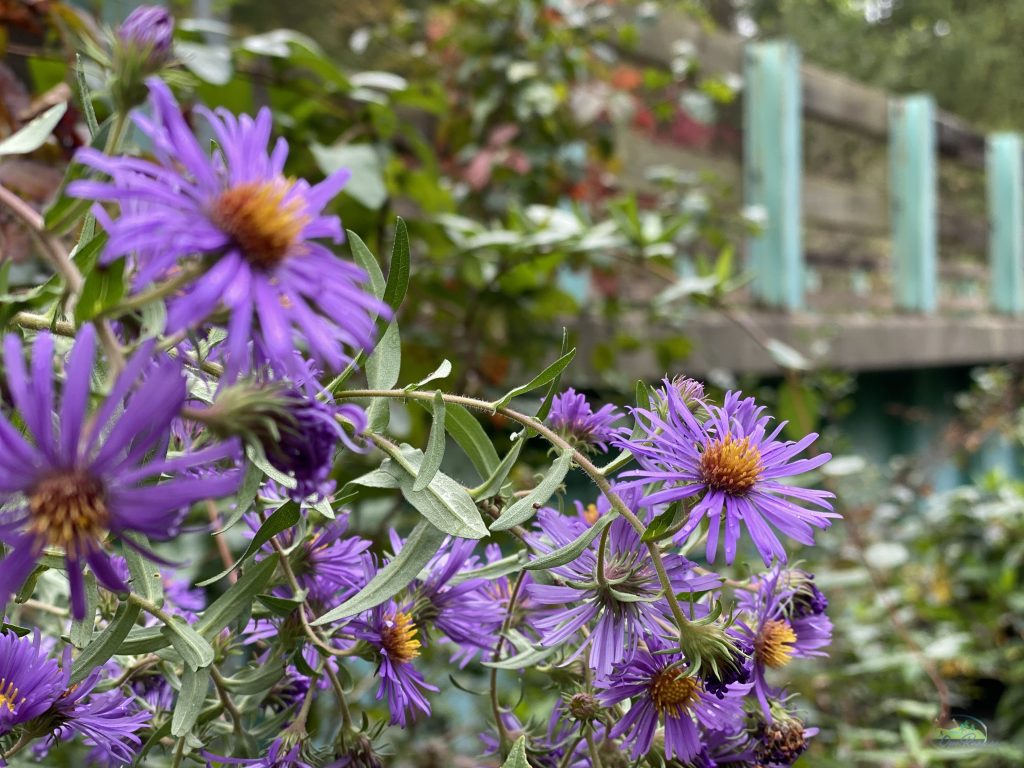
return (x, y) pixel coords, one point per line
(503, 736)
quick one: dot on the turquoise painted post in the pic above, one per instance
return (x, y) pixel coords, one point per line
(1004, 161)
(772, 169)
(913, 200)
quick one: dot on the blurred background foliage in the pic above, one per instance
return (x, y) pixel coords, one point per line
(490, 126)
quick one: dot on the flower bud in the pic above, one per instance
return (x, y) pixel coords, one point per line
(782, 740)
(143, 45)
(583, 706)
(806, 599)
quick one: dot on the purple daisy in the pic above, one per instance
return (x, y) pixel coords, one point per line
(622, 603)
(278, 755)
(30, 681)
(572, 416)
(660, 691)
(734, 464)
(390, 630)
(255, 231)
(79, 475)
(778, 628)
(109, 721)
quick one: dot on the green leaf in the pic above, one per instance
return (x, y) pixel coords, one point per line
(398, 272)
(445, 503)
(657, 527)
(237, 599)
(423, 543)
(191, 697)
(281, 606)
(569, 552)
(85, 96)
(193, 647)
(211, 63)
(382, 369)
(550, 373)
(495, 570)
(146, 579)
(517, 756)
(467, 432)
(492, 485)
(434, 454)
(367, 185)
(252, 479)
(524, 659)
(549, 398)
(527, 507)
(365, 259)
(443, 371)
(104, 287)
(255, 679)
(106, 643)
(82, 631)
(33, 135)
(284, 517)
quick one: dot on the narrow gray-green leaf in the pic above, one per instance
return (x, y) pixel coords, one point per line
(192, 646)
(82, 631)
(434, 454)
(492, 485)
(398, 271)
(255, 679)
(146, 579)
(467, 432)
(422, 544)
(106, 643)
(523, 660)
(548, 374)
(553, 387)
(85, 95)
(33, 135)
(252, 479)
(365, 259)
(237, 599)
(191, 697)
(569, 552)
(495, 570)
(517, 756)
(284, 517)
(527, 507)
(382, 369)
(445, 503)
(443, 371)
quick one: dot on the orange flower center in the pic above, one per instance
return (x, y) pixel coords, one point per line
(262, 222)
(774, 644)
(399, 638)
(672, 692)
(732, 466)
(67, 509)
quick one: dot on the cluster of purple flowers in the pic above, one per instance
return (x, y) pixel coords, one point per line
(258, 301)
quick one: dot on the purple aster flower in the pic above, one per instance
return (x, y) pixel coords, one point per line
(107, 721)
(255, 232)
(621, 603)
(149, 29)
(392, 633)
(735, 465)
(659, 690)
(78, 476)
(776, 629)
(30, 681)
(572, 416)
(278, 755)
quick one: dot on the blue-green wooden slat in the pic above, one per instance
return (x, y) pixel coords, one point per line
(772, 170)
(913, 200)
(1004, 161)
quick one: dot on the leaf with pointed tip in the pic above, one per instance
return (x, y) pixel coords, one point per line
(434, 454)
(550, 373)
(284, 517)
(445, 503)
(549, 398)
(193, 647)
(398, 271)
(467, 432)
(191, 697)
(423, 543)
(569, 552)
(527, 507)
(238, 599)
(106, 643)
(492, 485)
(443, 371)
(32, 136)
(382, 369)
(517, 755)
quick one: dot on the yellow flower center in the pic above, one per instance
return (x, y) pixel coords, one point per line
(732, 466)
(9, 696)
(264, 225)
(68, 509)
(774, 644)
(672, 692)
(590, 514)
(399, 638)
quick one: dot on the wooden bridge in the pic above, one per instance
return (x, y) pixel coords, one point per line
(894, 233)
